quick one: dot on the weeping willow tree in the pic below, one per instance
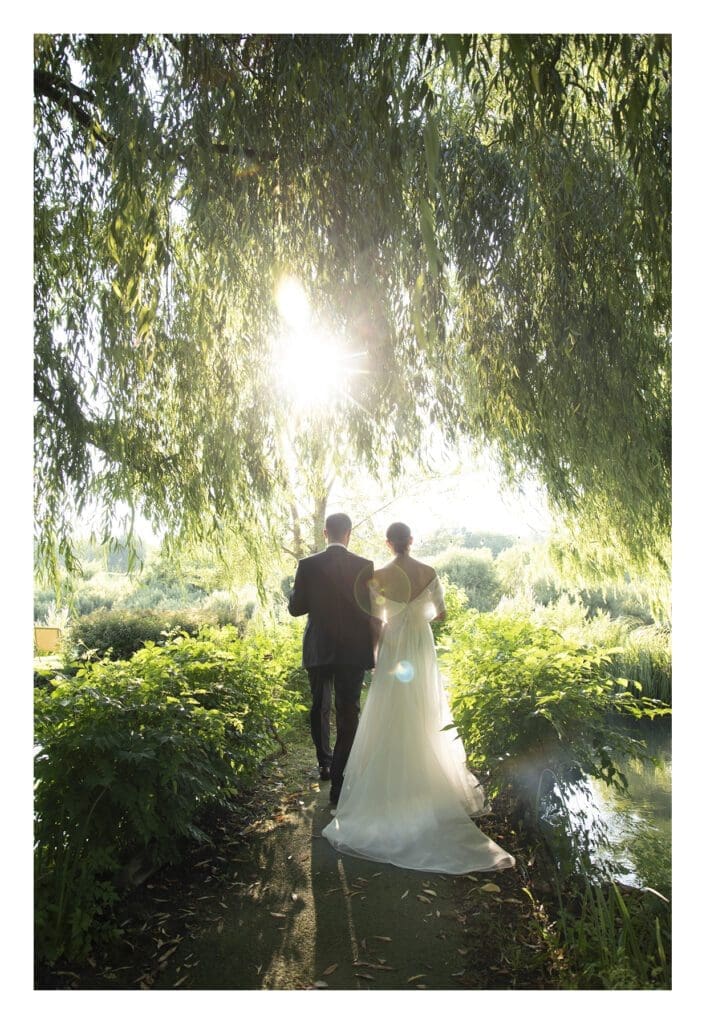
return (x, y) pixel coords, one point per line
(486, 218)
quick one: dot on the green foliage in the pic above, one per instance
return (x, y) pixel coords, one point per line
(119, 634)
(487, 217)
(474, 572)
(641, 654)
(456, 602)
(130, 756)
(525, 700)
(550, 571)
(589, 560)
(611, 938)
(460, 537)
(645, 659)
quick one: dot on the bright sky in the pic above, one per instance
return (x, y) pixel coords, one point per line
(312, 370)
(472, 497)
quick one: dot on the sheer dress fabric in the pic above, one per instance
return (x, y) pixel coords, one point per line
(407, 796)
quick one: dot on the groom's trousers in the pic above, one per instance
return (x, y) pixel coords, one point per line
(346, 681)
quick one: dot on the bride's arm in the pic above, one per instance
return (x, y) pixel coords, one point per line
(437, 596)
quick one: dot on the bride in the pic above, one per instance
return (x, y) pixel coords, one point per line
(407, 795)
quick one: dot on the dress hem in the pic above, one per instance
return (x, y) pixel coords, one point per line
(413, 867)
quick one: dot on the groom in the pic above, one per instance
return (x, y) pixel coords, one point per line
(331, 586)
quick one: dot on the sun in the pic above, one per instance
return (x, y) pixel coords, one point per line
(293, 304)
(312, 366)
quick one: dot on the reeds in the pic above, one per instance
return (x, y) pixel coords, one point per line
(616, 939)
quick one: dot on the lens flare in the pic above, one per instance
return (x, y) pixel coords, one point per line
(404, 671)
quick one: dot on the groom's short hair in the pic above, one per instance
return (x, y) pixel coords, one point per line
(338, 525)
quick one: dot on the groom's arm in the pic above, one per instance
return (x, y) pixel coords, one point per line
(298, 603)
(376, 624)
(376, 630)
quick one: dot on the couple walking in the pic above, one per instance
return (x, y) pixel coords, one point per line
(400, 788)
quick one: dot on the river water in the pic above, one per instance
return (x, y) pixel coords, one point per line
(629, 833)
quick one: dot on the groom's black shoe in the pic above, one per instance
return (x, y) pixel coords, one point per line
(324, 773)
(333, 797)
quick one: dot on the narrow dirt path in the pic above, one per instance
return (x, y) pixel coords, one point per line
(305, 916)
(273, 906)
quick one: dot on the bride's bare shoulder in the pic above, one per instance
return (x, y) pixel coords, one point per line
(424, 571)
(382, 574)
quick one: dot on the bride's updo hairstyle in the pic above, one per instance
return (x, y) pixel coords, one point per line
(400, 536)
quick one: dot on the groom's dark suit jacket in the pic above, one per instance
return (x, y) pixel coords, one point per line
(331, 587)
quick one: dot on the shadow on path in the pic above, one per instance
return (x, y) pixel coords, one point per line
(273, 906)
(305, 916)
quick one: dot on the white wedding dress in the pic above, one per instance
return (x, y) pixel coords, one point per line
(407, 795)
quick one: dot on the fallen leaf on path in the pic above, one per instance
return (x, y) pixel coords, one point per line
(463, 952)
(490, 887)
(178, 983)
(368, 977)
(320, 984)
(274, 914)
(415, 977)
(330, 969)
(429, 892)
(377, 874)
(382, 938)
(423, 899)
(375, 967)
(404, 894)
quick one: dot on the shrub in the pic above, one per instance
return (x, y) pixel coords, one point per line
(122, 632)
(131, 754)
(224, 607)
(456, 601)
(641, 654)
(645, 658)
(474, 572)
(525, 699)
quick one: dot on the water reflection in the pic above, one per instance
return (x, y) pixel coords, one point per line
(629, 834)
